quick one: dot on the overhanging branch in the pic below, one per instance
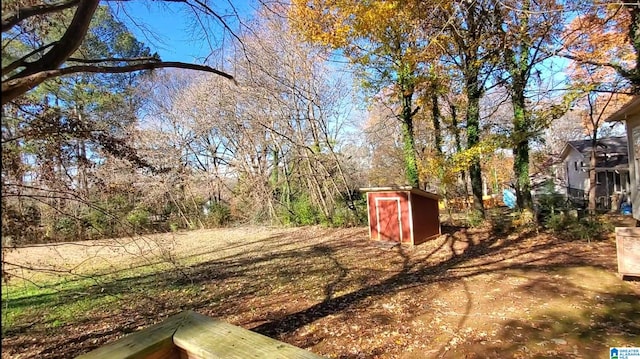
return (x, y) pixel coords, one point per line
(619, 69)
(14, 18)
(66, 45)
(15, 87)
(23, 60)
(113, 59)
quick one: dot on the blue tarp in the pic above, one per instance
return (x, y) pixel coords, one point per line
(509, 198)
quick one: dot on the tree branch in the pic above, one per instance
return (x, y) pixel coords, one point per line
(14, 18)
(619, 69)
(23, 60)
(15, 87)
(66, 46)
(112, 59)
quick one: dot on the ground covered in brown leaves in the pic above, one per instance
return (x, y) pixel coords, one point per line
(472, 293)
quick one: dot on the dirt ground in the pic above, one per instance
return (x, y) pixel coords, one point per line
(471, 293)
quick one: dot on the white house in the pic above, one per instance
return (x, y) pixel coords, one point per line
(612, 171)
(630, 114)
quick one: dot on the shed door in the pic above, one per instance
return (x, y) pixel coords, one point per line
(388, 219)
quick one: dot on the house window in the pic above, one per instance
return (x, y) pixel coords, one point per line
(575, 166)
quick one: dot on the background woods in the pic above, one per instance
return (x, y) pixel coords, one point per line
(95, 144)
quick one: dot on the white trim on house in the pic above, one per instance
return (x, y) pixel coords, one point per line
(368, 215)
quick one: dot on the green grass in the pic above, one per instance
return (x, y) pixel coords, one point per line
(61, 300)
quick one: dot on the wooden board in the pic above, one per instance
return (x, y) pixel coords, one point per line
(628, 250)
(155, 342)
(190, 335)
(204, 337)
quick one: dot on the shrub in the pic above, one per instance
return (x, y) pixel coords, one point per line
(571, 227)
(474, 218)
(556, 222)
(299, 212)
(346, 216)
(304, 212)
(591, 227)
(65, 228)
(139, 218)
(219, 214)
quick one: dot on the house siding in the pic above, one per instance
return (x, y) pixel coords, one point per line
(577, 179)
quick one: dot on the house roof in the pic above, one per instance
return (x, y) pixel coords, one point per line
(610, 145)
(631, 108)
(612, 152)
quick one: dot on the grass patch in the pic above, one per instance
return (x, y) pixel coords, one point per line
(65, 300)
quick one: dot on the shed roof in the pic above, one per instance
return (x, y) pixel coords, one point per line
(411, 189)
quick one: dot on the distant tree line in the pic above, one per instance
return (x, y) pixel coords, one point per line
(95, 144)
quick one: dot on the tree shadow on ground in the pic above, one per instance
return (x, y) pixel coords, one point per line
(279, 288)
(411, 275)
(575, 323)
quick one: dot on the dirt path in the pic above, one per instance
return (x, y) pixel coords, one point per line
(469, 293)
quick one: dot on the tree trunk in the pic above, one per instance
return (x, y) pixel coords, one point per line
(409, 153)
(435, 114)
(456, 135)
(592, 176)
(521, 149)
(473, 138)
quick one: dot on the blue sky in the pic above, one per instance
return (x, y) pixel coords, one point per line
(168, 28)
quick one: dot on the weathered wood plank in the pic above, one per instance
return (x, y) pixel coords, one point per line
(628, 251)
(204, 337)
(155, 342)
(190, 335)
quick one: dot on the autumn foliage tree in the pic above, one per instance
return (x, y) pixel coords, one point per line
(528, 29)
(473, 48)
(603, 42)
(606, 35)
(384, 40)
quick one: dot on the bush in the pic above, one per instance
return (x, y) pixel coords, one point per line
(304, 212)
(100, 224)
(556, 222)
(572, 228)
(65, 228)
(219, 214)
(139, 218)
(591, 228)
(346, 216)
(299, 212)
(475, 219)
(550, 203)
(21, 223)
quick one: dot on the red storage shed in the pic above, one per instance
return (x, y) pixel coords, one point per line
(402, 214)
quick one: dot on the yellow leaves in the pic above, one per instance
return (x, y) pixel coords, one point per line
(462, 160)
(377, 13)
(340, 23)
(447, 168)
